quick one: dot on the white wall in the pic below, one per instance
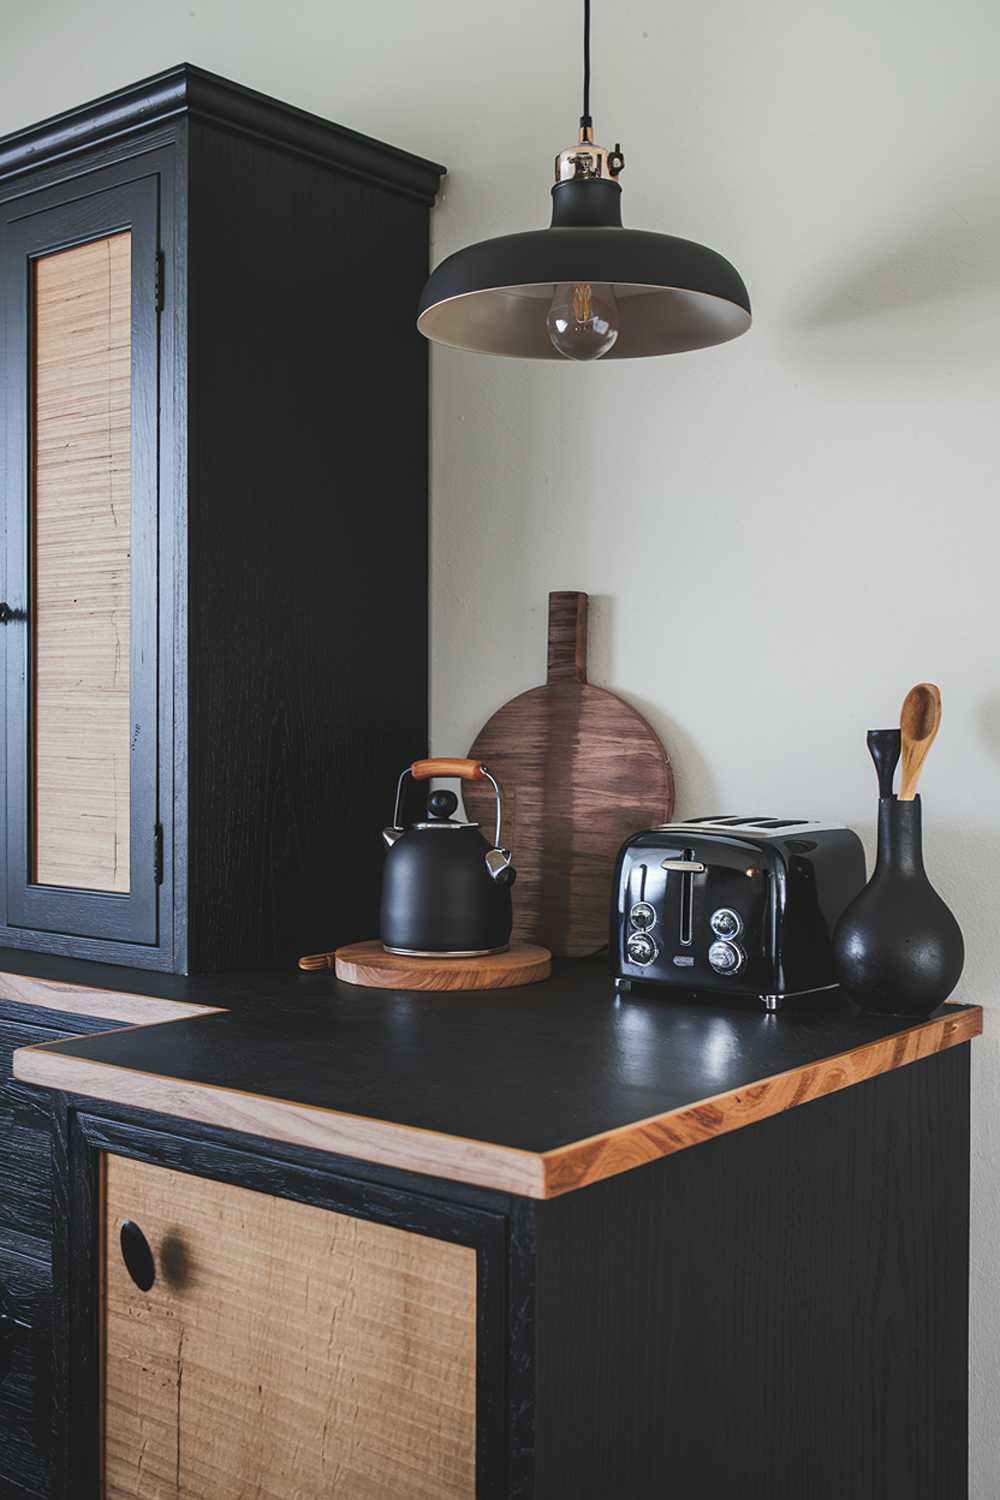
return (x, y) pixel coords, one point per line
(779, 536)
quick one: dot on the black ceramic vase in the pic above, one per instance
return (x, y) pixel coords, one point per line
(897, 948)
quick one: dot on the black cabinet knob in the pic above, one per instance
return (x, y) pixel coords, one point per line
(137, 1256)
(5, 613)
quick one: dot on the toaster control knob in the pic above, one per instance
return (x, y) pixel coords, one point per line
(642, 916)
(726, 923)
(641, 949)
(726, 958)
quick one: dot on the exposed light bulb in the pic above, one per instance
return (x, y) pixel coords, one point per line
(582, 321)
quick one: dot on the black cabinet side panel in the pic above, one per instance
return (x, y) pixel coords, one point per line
(307, 544)
(779, 1313)
(25, 1346)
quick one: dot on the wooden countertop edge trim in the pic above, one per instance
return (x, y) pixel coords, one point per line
(607, 1155)
(406, 1147)
(106, 1005)
(483, 1163)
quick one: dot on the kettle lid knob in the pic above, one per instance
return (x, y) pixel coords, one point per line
(441, 804)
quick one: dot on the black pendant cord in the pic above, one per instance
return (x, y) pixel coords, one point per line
(585, 120)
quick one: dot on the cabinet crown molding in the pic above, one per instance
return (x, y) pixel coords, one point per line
(186, 90)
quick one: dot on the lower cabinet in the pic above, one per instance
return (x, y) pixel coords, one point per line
(275, 1324)
(283, 1350)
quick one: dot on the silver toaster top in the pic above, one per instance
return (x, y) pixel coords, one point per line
(758, 828)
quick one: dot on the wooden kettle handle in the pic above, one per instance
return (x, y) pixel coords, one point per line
(467, 770)
(567, 637)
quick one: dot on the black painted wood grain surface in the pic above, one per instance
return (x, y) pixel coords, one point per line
(117, 978)
(186, 89)
(779, 1315)
(25, 1150)
(533, 1068)
(307, 544)
(25, 1292)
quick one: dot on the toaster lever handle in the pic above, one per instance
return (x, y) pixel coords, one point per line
(694, 865)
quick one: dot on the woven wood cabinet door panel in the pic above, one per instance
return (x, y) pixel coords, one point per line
(284, 1351)
(82, 564)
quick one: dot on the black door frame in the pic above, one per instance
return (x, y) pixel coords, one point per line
(132, 207)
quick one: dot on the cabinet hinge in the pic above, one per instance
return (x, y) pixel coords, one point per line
(158, 853)
(160, 280)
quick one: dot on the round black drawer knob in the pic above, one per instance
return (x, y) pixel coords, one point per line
(137, 1256)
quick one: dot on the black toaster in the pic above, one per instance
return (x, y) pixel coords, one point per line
(731, 905)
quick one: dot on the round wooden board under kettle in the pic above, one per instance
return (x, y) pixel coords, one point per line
(369, 964)
(580, 771)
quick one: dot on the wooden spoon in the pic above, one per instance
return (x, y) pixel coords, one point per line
(919, 722)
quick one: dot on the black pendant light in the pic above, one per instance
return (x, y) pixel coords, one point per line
(585, 288)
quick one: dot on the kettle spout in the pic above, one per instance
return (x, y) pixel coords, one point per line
(500, 868)
(390, 835)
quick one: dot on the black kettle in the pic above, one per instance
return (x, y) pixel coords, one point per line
(445, 890)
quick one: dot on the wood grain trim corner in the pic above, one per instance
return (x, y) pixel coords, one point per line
(584, 1162)
(407, 1147)
(105, 1005)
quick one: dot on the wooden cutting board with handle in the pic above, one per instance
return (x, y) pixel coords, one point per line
(580, 771)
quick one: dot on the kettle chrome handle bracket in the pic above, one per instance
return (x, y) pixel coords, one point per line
(391, 834)
(497, 840)
(463, 770)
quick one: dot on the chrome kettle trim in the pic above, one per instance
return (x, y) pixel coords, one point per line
(446, 824)
(446, 952)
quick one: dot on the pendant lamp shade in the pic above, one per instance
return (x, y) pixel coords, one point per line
(672, 294)
(585, 288)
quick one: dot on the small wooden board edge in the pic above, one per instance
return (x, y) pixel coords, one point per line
(369, 965)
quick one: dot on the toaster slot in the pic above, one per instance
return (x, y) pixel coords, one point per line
(687, 867)
(727, 822)
(687, 902)
(754, 823)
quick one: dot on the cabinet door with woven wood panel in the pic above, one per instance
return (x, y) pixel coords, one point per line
(78, 303)
(284, 1351)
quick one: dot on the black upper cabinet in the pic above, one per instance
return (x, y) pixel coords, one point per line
(214, 457)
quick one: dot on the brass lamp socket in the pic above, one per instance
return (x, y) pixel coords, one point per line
(586, 162)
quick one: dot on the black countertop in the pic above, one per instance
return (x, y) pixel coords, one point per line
(535, 1070)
